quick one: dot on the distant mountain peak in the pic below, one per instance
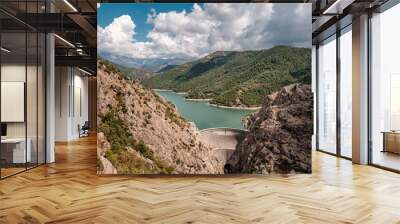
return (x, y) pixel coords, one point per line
(131, 72)
(149, 64)
(219, 53)
(166, 68)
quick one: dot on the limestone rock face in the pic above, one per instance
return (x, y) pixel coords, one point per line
(153, 120)
(103, 165)
(279, 138)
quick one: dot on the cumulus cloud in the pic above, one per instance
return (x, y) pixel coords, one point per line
(182, 34)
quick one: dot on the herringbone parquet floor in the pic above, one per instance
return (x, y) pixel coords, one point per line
(69, 191)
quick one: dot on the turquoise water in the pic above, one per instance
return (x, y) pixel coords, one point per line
(203, 115)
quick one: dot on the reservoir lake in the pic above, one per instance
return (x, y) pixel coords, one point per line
(204, 115)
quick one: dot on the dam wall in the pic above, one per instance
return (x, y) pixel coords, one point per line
(223, 140)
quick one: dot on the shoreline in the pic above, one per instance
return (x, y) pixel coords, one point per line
(163, 90)
(208, 100)
(237, 108)
(170, 90)
(199, 100)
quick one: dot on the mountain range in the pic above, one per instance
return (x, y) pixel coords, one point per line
(149, 64)
(237, 78)
(130, 73)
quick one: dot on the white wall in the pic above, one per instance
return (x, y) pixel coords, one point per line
(33, 126)
(79, 117)
(70, 83)
(16, 73)
(62, 81)
(13, 72)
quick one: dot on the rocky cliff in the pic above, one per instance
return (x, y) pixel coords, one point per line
(279, 138)
(140, 132)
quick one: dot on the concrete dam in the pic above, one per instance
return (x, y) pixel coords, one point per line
(223, 140)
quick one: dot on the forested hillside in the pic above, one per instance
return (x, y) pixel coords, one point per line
(237, 78)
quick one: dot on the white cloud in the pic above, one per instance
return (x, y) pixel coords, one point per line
(210, 28)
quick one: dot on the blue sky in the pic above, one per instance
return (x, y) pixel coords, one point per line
(186, 31)
(138, 12)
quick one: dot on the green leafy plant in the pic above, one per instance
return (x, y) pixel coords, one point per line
(120, 139)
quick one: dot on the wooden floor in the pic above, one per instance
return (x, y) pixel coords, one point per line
(5, 172)
(69, 191)
(387, 159)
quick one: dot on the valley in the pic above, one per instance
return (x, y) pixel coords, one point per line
(228, 112)
(237, 79)
(204, 115)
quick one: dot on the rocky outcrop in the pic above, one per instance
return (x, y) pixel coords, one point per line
(103, 165)
(279, 138)
(157, 134)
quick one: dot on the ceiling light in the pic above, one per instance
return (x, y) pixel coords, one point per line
(70, 5)
(79, 51)
(331, 7)
(64, 40)
(5, 50)
(337, 7)
(86, 72)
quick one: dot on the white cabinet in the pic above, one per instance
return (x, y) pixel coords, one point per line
(17, 146)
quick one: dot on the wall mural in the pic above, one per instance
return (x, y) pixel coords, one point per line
(204, 88)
